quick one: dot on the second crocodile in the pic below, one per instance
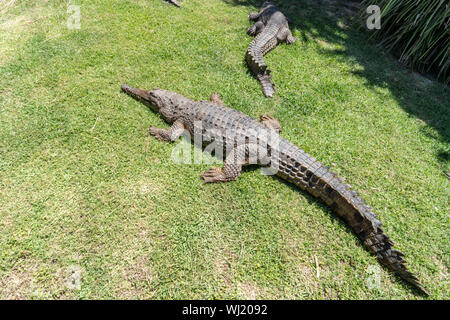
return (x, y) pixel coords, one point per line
(270, 28)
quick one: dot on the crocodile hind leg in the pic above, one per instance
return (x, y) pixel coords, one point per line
(270, 122)
(239, 156)
(231, 170)
(286, 35)
(215, 98)
(175, 131)
(255, 29)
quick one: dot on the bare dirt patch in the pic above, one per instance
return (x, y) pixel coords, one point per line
(249, 290)
(223, 268)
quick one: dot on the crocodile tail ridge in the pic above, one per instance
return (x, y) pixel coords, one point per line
(311, 176)
(254, 58)
(267, 86)
(362, 219)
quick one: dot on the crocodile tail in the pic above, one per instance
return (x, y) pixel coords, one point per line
(268, 87)
(309, 174)
(254, 57)
(263, 43)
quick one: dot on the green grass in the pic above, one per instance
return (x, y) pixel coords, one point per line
(82, 184)
(417, 33)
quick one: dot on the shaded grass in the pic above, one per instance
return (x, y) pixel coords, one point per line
(81, 183)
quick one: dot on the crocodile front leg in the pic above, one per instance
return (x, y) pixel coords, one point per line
(231, 170)
(270, 122)
(255, 29)
(238, 157)
(286, 35)
(175, 131)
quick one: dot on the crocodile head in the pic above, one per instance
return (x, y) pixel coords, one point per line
(167, 103)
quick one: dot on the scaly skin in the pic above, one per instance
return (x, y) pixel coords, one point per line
(270, 28)
(235, 133)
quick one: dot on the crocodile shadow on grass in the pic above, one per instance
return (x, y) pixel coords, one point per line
(312, 201)
(419, 96)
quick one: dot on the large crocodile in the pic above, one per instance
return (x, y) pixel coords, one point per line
(247, 141)
(271, 27)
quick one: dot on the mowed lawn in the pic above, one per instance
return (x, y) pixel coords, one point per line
(86, 194)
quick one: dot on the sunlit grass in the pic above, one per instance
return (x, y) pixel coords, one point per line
(82, 184)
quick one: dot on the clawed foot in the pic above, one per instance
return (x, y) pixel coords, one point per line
(156, 132)
(290, 39)
(213, 175)
(251, 31)
(271, 122)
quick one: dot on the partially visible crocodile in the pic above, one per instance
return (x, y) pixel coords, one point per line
(247, 141)
(270, 28)
(174, 2)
